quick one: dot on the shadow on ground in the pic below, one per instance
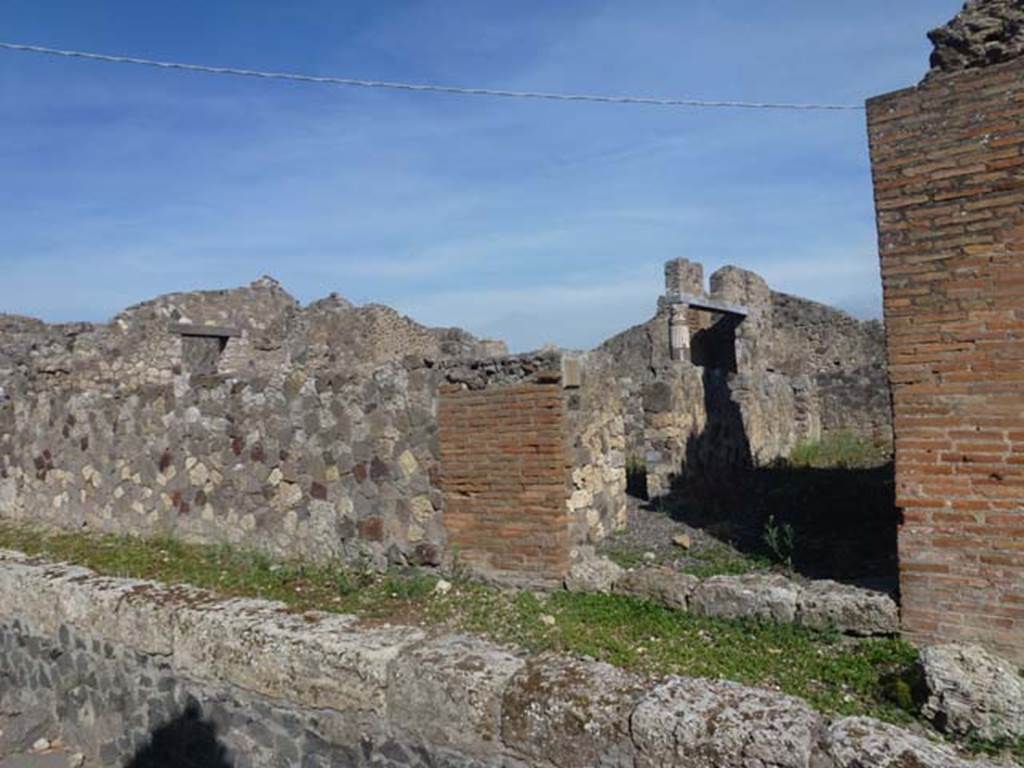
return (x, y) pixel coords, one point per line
(830, 523)
(833, 523)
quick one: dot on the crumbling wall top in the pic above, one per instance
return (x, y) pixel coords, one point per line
(740, 286)
(268, 330)
(985, 32)
(684, 276)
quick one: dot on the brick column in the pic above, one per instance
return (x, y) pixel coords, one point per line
(948, 163)
(505, 476)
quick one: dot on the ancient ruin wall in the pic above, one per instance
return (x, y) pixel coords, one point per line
(985, 32)
(596, 447)
(238, 416)
(949, 187)
(745, 392)
(296, 464)
(844, 361)
(313, 435)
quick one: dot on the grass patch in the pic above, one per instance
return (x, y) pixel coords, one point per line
(835, 674)
(229, 571)
(715, 558)
(831, 673)
(707, 558)
(999, 748)
(845, 450)
(628, 557)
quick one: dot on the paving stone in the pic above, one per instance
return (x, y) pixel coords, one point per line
(972, 692)
(664, 586)
(693, 723)
(824, 604)
(768, 597)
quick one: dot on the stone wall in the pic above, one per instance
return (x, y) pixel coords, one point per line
(137, 673)
(299, 464)
(307, 433)
(985, 32)
(314, 434)
(839, 360)
(947, 161)
(239, 416)
(747, 390)
(271, 332)
(596, 448)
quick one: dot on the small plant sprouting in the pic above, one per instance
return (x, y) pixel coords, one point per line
(781, 541)
(459, 571)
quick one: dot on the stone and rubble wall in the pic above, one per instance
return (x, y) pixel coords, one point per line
(271, 332)
(766, 597)
(335, 431)
(126, 669)
(985, 32)
(949, 190)
(314, 435)
(596, 448)
(330, 432)
(749, 388)
(843, 360)
(319, 466)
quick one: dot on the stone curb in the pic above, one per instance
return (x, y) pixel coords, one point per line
(764, 597)
(460, 695)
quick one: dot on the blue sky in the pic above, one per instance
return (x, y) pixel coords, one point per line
(530, 221)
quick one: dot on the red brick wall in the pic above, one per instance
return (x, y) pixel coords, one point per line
(505, 473)
(949, 188)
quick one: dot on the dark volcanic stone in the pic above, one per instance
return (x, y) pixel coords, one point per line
(985, 32)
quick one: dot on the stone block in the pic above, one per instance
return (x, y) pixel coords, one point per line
(131, 612)
(316, 659)
(767, 597)
(572, 373)
(855, 611)
(30, 593)
(689, 722)
(664, 586)
(448, 692)
(593, 573)
(570, 713)
(862, 742)
(973, 693)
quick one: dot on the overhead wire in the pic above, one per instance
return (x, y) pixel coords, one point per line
(430, 87)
